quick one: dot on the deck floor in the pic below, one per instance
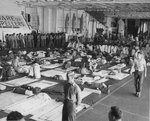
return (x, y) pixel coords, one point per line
(134, 108)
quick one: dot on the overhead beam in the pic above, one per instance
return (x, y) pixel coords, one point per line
(88, 2)
(139, 15)
(51, 3)
(96, 5)
(113, 1)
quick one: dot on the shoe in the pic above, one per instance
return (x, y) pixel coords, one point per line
(138, 94)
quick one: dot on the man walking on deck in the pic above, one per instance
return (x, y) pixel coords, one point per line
(139, 65)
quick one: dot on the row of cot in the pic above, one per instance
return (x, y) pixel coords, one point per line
(113, 49)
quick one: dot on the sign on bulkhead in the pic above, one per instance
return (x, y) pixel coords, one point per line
(11, 21)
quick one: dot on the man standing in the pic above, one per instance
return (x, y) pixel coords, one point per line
(139, 65)
(15, 63)
(72, 98)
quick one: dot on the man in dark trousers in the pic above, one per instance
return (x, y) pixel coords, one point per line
(72, 97)
(139, 65)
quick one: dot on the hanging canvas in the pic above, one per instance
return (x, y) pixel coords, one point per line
(67, 23)
(81, 24)
(73, 22)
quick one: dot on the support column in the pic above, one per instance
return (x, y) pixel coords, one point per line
(126, 27)
(54, 19)
(70, 21)
(93, 28)
(40, 11)
(77, 21)
(46, 20)
(63, 20)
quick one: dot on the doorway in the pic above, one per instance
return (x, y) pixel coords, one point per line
(132, 27)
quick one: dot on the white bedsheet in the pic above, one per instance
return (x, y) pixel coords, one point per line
(85, 94)
(43, 84)
(101, 81)
(102, 73)
(119, 76)
(19, 81)
(9, 98)
(51, 66)
(51, 73)
(88, 79)
(68, 69)
(29, 105)
(148, 64)
(3, 119)
(127, 70)
(92, 90)
(43, 110)
(118, 66)
(56, 114)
